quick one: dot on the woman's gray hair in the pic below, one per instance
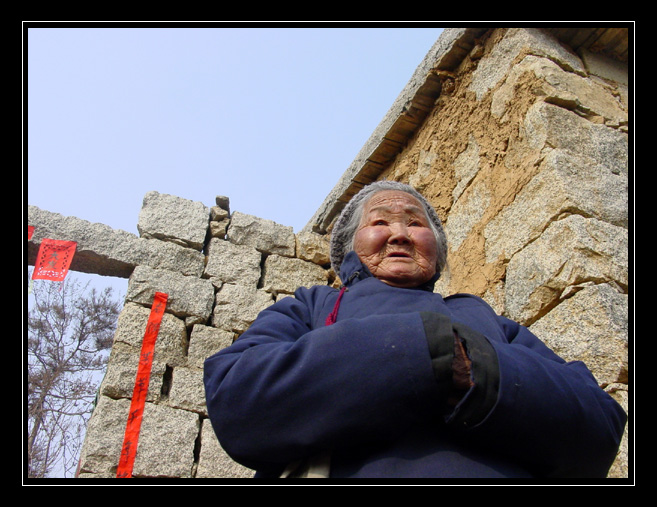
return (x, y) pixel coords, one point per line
(344, 230)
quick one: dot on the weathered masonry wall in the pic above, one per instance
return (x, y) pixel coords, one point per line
(523, 151)
(518, 137)
(219, 270)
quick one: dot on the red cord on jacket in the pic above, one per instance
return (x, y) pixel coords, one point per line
(333, 316)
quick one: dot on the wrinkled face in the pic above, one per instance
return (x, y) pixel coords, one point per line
(395, 241)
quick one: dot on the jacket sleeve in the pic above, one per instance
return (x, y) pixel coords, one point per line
(531, 405)
(282, 391)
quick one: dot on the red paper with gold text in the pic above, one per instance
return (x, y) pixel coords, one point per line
(53, 259)
(133, 425)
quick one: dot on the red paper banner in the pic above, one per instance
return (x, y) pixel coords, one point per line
(133, 426)
(53, 259)
(30, 231)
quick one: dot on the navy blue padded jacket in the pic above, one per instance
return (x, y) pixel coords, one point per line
(374, 388)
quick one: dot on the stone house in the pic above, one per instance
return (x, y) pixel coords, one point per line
(518, 137)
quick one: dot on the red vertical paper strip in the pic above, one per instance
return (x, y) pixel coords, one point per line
(53, 259)
(133, 425)
(30, 232)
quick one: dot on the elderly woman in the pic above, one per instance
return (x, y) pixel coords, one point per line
(385, 378)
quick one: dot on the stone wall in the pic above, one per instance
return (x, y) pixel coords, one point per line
(521, 145)
(249, 263)
(525, 157)
(219, 270)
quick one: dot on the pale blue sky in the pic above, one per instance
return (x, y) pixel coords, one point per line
(269, 116)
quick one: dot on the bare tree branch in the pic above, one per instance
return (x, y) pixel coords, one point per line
(70, 329)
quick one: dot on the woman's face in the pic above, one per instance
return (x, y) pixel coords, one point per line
(395, 241)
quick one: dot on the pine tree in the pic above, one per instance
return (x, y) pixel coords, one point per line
(70, 331)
